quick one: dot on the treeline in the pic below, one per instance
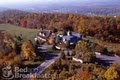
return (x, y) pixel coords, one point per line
(70, 70)
(16, 45)
(103, 28)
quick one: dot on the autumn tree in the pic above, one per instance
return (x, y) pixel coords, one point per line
(117, 52)
(28, 50)
(81, 47)
(99, 48)
(17, 60)
(63, 56)
(89, 57)
(7, 44)
(33, 78)
(24, 23)
(65, 74)
(84, 75)
(82, 26)
(112, 74)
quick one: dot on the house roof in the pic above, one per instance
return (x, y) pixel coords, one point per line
(76, 34)
(73, 38)
(47, 33)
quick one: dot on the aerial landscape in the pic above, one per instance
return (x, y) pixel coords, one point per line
(59, 39)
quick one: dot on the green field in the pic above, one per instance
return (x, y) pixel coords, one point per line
(16, 31)
(110, 46)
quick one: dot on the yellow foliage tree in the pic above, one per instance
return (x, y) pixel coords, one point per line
(28, 50)
(7, 43)
(81, 46)
(111, 74)
(89, 57)
(82, 27)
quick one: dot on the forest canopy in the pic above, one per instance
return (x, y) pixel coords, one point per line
(101, 27)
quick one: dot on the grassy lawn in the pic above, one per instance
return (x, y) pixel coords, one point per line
(110, 46)
(16, 31)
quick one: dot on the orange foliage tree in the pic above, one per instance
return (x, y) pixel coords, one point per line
(85, 75)
(24, 23)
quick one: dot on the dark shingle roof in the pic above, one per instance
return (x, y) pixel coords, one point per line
(75, 37)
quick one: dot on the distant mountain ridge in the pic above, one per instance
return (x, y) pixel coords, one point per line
(13, 13)
(3, 9)
(107, 10)
(86, 7)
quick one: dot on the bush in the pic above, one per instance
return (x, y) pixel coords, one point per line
(99, 48)
(117, 53)
(28, 50)
(89, 57)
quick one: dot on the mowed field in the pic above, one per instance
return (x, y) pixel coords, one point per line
(17, 31)
(110, 46)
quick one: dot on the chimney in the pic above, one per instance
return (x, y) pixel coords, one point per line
(69, 33)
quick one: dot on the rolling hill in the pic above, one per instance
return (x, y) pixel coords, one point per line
(16, 31)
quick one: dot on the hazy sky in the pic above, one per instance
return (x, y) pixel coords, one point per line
(4, 2)
(8, 3)
(28, 1)
(16, 3)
